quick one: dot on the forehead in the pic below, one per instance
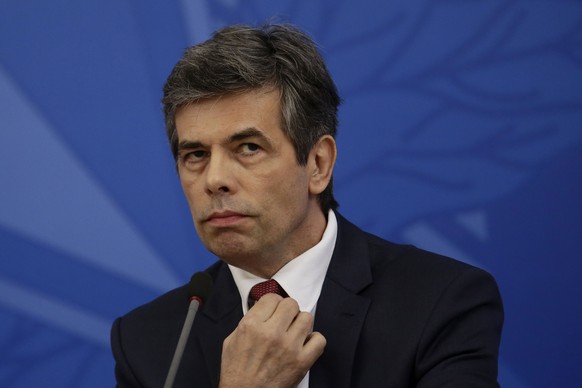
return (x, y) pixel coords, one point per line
(219, 117)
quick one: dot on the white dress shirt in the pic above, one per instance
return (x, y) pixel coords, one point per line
(302, 277)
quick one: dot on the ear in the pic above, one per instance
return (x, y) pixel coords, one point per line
(320, 163)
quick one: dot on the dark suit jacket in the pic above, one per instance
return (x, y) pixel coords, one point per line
(393, 316)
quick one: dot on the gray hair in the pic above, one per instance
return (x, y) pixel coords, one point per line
(242, 58)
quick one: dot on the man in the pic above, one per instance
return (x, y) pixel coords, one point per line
(251, 118)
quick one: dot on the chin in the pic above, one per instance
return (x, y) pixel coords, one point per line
(230, 251)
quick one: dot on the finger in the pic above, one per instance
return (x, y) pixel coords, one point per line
(264, 307)
(301, 326)
(314, 346)
(284, 315)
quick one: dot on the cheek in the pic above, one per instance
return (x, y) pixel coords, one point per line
(188, 193)
(192, 194)
(288, 194)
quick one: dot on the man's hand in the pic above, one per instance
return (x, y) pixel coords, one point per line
(273, 346)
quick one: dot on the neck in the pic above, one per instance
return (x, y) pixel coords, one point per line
(266, 267)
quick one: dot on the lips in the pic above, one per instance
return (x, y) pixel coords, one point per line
(225, 218)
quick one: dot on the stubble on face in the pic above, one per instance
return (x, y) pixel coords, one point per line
(273, 235)
(279, 218)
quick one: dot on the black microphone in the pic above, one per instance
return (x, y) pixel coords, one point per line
(198, 289)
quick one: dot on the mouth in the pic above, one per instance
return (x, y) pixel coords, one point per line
(224, 218)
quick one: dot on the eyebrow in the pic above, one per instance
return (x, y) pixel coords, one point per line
(235, 137)
(246, 133)
(187, 145)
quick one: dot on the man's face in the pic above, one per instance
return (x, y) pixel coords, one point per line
(251, 202)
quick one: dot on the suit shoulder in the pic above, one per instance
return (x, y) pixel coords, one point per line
(172, 304)
(416, 264)
(393, 263)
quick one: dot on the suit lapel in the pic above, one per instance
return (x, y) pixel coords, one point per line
(340, 314)
(218, 318)
(341, 311)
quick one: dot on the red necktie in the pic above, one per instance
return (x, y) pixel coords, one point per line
(267, 287)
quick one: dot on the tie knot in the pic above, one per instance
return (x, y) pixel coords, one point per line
(267, 287)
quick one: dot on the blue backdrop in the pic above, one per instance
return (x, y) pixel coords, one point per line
(460, 133)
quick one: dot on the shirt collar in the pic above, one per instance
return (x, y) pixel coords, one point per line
(302, 277)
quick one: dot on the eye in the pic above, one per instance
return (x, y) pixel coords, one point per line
(198, 154)
(249, 148)
(193, 156)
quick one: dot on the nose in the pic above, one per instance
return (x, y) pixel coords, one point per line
(219, 176)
